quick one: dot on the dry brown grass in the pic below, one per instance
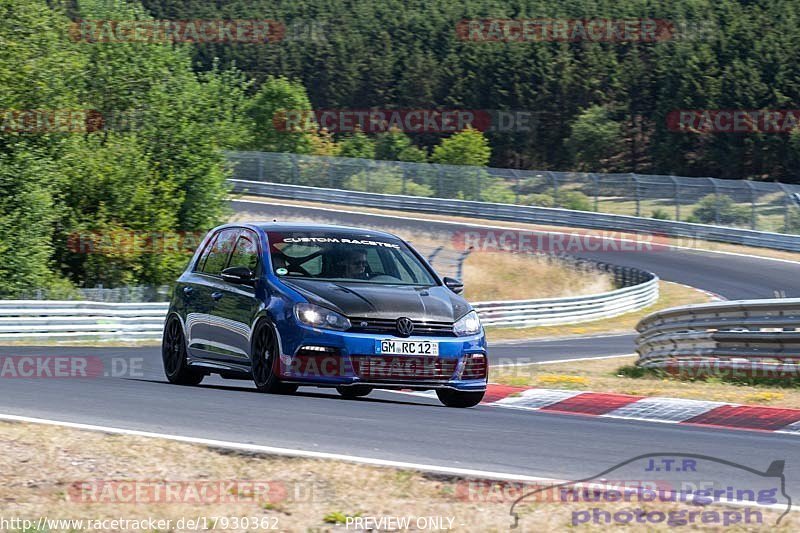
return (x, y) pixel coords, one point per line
(603, 376)
(40, 464)
(503, 276)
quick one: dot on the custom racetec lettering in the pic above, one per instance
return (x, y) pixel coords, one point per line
(342, 240)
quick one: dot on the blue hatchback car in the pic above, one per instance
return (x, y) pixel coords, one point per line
(329, 306)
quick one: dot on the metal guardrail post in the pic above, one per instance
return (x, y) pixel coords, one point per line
(716, 200)
(554, 179)
(434, 253)
(752, 204)
(677, 197)
(460, 265)
(295, 169)
(786, 205)
(517, 184)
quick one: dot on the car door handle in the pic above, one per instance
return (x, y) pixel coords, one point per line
(216, 296)
(188, 291)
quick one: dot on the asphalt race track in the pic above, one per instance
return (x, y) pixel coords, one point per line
(414, 429)
(383, 426)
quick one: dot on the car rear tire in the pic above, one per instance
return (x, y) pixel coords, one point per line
(452, 398)
(264, 362)
(353, 391)
(173, 355)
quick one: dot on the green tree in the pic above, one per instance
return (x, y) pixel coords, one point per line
(357, 144)
(394, 145)
(595, 138)
(468, 147)
(282, 116)
(160, 170)
(39, 70)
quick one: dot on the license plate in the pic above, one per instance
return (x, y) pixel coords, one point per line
(404, 347)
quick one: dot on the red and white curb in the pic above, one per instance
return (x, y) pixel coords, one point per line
(650, 409)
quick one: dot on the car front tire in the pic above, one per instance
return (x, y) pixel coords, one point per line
(264, 361)
(453, 398)
(173, 355)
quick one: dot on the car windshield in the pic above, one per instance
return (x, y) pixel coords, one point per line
(351, 257)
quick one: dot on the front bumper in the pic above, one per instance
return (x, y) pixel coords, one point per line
(327, 358)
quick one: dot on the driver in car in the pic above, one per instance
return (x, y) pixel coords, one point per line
(354, 265)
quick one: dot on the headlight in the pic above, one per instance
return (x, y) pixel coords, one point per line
(319, 317)
(468, 324)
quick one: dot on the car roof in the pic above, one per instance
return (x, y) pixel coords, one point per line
(310, 227)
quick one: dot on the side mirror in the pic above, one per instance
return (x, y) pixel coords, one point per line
(239, 275)
(454, 285)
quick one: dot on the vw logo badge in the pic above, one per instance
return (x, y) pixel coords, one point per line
(405, 327)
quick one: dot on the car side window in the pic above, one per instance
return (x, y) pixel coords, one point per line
(218, 255)
(408, 272)
(245, 253)
(295, 251)
(198, 267)
(374, 262)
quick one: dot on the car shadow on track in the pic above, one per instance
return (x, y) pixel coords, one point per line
(301, 394)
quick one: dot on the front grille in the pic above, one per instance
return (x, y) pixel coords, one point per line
(403, 368)
(389, 327)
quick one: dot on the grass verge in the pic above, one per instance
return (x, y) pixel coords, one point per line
(62, 473)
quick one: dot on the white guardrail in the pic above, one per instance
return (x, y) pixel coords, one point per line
(63, 320)
(60, 320)
(729, 333)
(576, 309)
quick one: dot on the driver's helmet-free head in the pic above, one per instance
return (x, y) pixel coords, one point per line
(349, 263)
